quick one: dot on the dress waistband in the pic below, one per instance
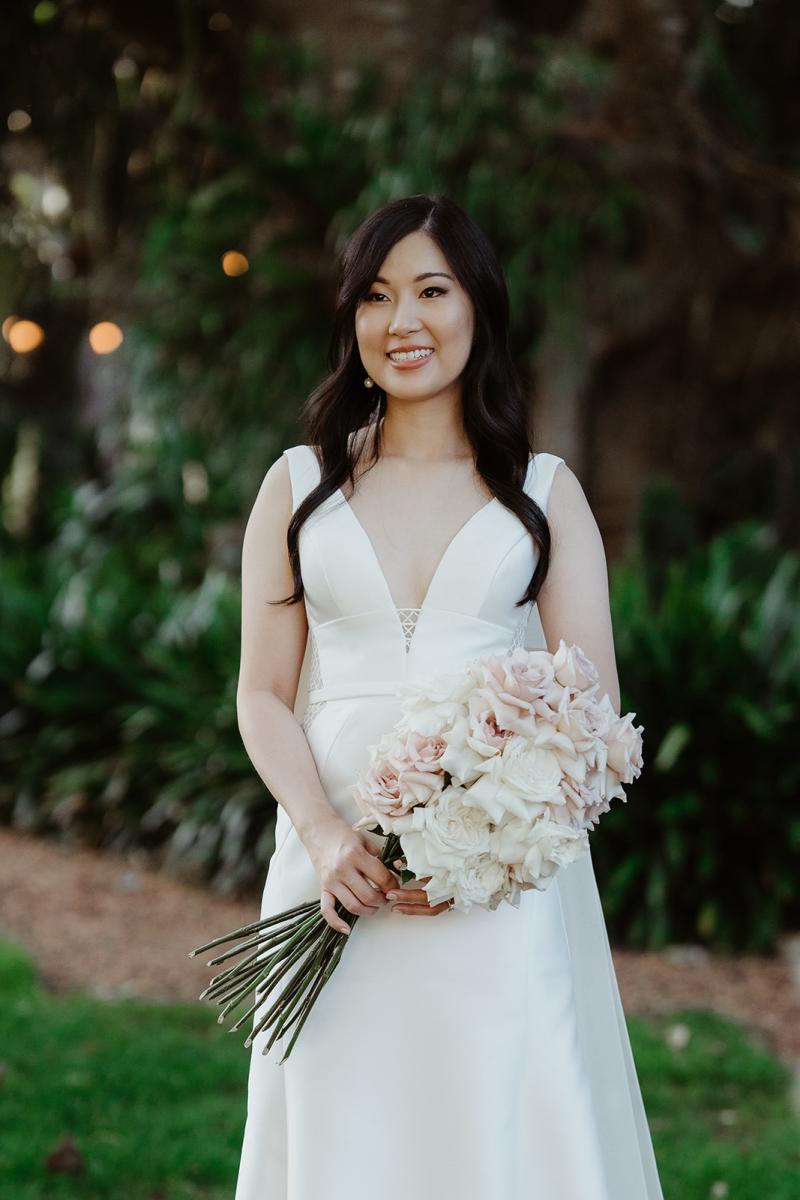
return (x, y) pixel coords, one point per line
(347, 691)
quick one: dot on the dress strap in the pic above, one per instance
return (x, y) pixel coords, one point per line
(303, 471)
(541, 472)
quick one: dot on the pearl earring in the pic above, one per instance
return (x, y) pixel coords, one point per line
(368, 382)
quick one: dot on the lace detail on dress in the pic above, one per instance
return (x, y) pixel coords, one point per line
(315, 680)
(521, 628)
(408, 621)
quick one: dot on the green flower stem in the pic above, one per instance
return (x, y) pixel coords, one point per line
(258, 940)
(219, 981)
(294, 989)
(332, 940)
(264, 924)
(251, 973)
(284, 1019)
(268, 984)
(315, 991)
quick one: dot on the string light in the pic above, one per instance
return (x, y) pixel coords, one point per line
(234, 263)
(105, 337)
(24, 336)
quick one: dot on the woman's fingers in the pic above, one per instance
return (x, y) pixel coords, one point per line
(414, 902)
(366, 898)
(420, 910)
(327, 906)
(376, 871)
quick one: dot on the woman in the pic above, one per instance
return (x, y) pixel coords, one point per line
(482, 1054)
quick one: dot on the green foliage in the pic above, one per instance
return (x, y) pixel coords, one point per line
(119, 722)
(708, 647)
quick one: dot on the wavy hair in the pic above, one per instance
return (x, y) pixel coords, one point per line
(493, 405)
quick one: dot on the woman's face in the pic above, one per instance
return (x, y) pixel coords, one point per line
(415, 302)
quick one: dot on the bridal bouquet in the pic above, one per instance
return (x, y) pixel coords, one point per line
(489, 782)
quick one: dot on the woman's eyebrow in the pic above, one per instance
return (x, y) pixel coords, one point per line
(424, 275)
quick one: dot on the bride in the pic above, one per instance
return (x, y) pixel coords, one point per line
(484, 1053)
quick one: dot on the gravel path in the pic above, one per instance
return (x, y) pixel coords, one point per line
(103, 924)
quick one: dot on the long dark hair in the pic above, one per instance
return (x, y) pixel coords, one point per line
(494, 408)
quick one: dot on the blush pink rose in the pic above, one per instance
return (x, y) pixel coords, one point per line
(573, 669)
(625, 748)
(517, 689)
(484, 732)
(404, 772)
(585, 801)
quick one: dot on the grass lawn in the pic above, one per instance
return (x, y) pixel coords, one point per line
(147, 1101)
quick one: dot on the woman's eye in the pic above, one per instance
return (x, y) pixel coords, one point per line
(373, 295)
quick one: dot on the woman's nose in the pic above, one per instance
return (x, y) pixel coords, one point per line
(404, 319)
(400, 326)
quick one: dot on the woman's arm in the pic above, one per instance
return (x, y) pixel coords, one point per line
(273, 643)
(574, 601)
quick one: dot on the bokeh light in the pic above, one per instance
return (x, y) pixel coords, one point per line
(24, 336)
(55, 200)
(18, 120)
(45, 11)
(105, 337)
(234, 263)
(5, 328)
(195, 482)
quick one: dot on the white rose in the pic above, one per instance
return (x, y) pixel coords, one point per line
(525, 781)
(442, 834)
(534, 771)
(432, 707)
(482, 880)
(511, 840)
(553, 846)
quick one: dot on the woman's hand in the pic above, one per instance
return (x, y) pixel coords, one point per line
(349, 869)
(414, 901)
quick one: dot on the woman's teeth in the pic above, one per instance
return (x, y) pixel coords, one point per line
(409, 355)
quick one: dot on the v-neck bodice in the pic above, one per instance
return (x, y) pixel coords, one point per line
(463, 530)
(360, 643)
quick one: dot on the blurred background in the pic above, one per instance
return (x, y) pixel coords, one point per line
(176, 181)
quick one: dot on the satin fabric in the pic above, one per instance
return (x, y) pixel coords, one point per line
(470, 1055)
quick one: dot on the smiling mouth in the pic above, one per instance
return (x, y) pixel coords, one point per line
(402, 357)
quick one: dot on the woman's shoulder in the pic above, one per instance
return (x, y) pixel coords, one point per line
(567, 505)
(544, 456)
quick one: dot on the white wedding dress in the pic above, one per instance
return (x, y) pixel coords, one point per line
(466, 1056)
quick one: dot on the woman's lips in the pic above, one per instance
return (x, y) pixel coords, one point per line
(412, 364)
